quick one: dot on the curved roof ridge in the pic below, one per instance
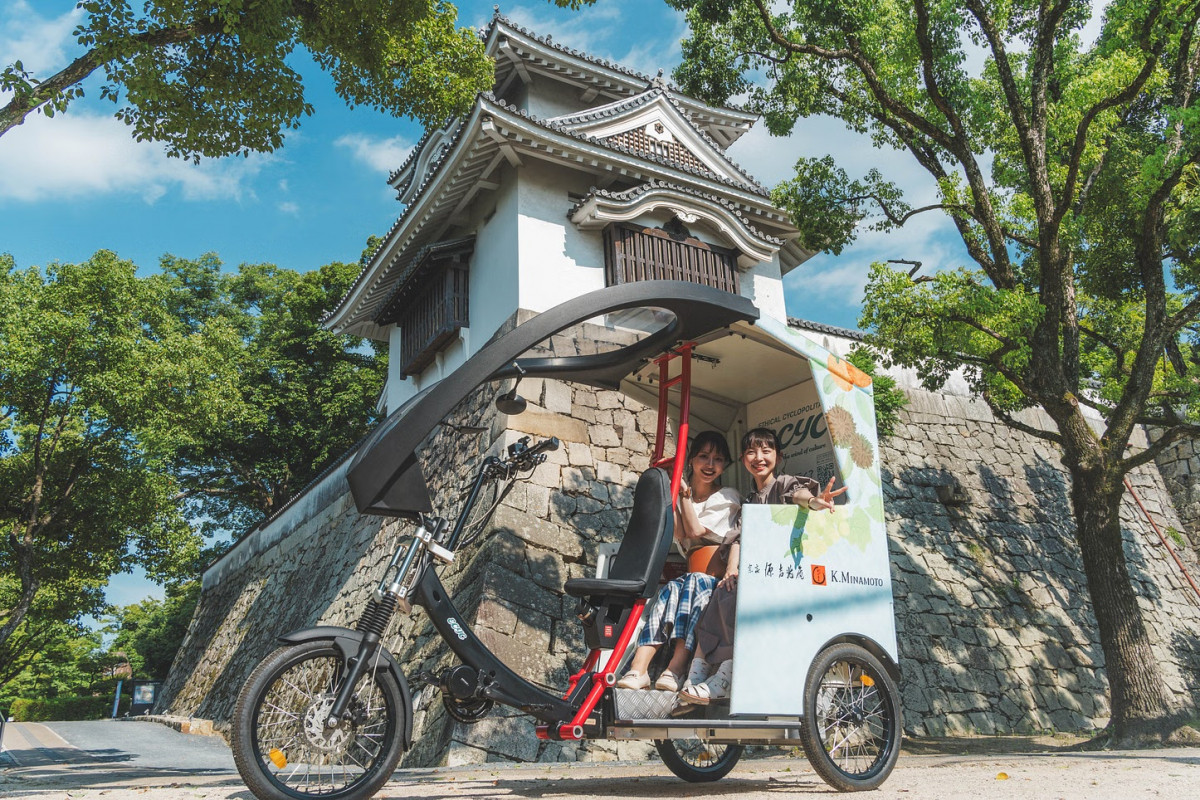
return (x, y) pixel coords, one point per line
(655, 183)
(548, 41)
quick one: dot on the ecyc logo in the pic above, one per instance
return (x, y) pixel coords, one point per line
(453, 623)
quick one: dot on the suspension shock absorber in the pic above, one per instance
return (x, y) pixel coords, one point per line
(376, 616)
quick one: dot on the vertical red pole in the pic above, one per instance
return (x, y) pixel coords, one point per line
(685, 410)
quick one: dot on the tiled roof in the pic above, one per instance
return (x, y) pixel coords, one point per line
(656, 89)
(434, 168)
(559, 127)
(821, 327)
(500, 19)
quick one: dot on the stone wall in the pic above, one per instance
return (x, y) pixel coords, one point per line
(992, 610)
(991, 606)
(1180, 467)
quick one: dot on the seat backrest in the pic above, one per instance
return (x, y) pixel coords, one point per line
(647, 540)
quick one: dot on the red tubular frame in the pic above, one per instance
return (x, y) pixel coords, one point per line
(606, 677)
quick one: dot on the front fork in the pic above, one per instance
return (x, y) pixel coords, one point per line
(394, 591)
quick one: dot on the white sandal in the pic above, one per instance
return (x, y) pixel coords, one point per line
(698, 671)
(715, 688)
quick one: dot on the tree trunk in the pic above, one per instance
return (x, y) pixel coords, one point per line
(1141, 705)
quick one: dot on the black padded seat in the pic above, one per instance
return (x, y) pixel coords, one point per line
(636, 567)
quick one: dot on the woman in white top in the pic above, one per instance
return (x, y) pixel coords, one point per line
(706, 514)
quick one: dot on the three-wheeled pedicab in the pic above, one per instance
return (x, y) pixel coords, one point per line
(329, 713)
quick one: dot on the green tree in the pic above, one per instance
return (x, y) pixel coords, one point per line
(304, 395)
(149, 633)
(210, 77)
(1070, 172)
(99, 384)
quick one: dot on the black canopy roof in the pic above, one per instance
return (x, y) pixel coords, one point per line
(386, 478)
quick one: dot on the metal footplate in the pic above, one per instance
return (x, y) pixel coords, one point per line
(730, 731)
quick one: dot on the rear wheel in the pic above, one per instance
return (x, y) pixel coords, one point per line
(697, 761)
(281, 745)
(851, 727)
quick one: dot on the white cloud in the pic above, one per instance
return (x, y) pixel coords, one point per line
(41, 44)
(80, 154)
(288, 207)
(381, 155)
(587, 29)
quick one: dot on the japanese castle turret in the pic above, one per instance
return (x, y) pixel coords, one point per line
(571, 175)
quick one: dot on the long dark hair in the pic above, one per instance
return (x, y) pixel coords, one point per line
(702, 441)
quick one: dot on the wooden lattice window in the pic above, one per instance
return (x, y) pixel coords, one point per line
(669, 253)
(432, 304)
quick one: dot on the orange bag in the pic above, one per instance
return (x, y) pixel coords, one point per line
(704, 559)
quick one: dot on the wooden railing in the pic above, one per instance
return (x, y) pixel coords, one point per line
(643, 254)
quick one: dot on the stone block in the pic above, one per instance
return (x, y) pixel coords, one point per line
(608, 472)
(609, 400)
(497, 615)
(579, 454)
(544, 423)
(557, 397)
(603, 436)
(511, 738)
(463, 755)
(573, 480)
(539, 532)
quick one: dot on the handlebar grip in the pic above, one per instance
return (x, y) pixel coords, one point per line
(546, 444)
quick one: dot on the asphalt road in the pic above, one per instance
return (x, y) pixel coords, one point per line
(147, 761)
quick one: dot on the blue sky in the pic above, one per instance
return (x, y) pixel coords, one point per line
(79, 182)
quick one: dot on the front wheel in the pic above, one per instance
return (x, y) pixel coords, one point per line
(851, 727)
(697, 761)
(281, 745)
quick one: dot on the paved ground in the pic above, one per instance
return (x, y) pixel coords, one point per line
(144, 760)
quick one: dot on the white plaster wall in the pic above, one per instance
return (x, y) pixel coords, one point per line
(558, 261)
(492, 291)
(494, 282)
(763, 285)
(551, 98)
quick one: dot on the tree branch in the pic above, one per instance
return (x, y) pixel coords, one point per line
(1081, 130)
(1169, 437)
(1016, 424)
(25, 102)
(1111, 345)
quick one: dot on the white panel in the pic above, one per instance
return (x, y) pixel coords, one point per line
(803, 580)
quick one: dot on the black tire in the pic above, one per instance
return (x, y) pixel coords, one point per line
(696, 761)
(852, 720)
(279, 717)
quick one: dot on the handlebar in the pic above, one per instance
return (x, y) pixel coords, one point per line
(430, 535)
(545, 445)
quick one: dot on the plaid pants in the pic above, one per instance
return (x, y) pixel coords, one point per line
(677, 609)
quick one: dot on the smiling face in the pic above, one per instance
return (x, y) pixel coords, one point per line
(707, 466)
(759, 460)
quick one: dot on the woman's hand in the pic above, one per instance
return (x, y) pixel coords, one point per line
(824, 501)
(729, 582)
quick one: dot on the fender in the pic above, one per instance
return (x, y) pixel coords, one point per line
(347, 641)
